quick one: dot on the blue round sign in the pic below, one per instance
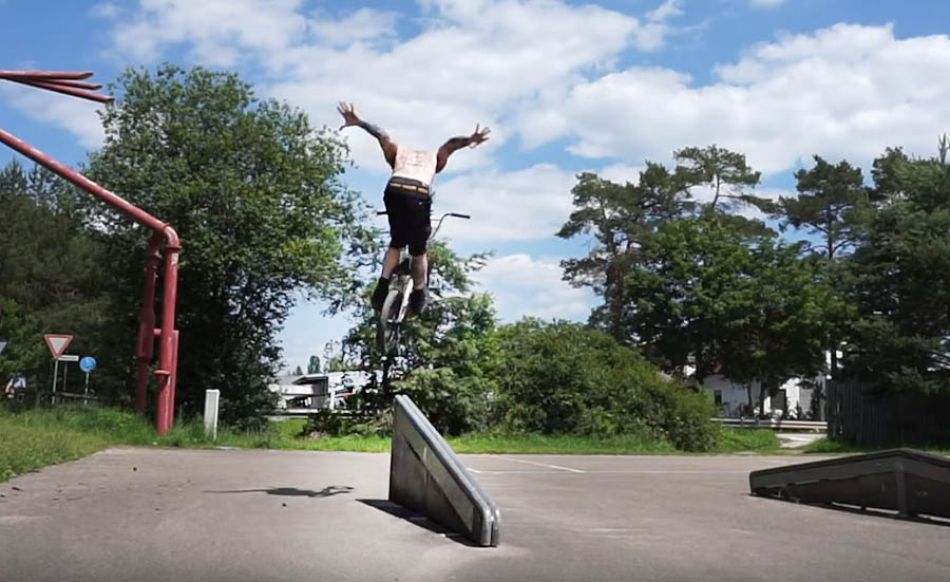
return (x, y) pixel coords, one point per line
(87, 364)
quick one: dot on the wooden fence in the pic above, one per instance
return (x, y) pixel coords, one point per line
(862, 415)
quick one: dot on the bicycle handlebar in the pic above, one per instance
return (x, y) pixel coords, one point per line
(455, 214)
(439, 225)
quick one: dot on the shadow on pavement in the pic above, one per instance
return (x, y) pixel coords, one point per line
(294, 492)
(396, 510)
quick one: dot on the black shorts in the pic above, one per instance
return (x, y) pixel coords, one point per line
(409, 218)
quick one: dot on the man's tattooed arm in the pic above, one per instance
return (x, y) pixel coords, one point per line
(373, 129)
(457, 143)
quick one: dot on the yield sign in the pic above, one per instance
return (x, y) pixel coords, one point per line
(57, 343)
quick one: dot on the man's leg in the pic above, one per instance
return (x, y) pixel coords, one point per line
(418, 242)
(420, 269)
(395, 213)
(390, 262)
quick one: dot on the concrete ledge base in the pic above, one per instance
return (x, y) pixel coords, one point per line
(427, 477)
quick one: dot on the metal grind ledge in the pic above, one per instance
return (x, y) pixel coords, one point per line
(908, 481)
(426, 476)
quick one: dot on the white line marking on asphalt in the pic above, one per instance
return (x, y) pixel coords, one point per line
(610, 471)
(558, 467)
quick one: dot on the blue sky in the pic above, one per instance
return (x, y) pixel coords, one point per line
(565, 86)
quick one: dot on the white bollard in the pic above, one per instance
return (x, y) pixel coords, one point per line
(211, 412)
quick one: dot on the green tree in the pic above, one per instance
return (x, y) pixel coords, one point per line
(253, 190)
(621, 219)
(313, 366)
(729, 177)
(709, 299)
(25, 352)
(831, 202)
(51, 271)
(901, 278)
(832, 205)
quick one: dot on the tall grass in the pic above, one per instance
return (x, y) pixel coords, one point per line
(32, 441)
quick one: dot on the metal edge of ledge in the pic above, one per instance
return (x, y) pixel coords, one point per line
(443, 479)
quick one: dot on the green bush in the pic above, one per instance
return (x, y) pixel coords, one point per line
(454, 404)
(565, 378)
(333, 424)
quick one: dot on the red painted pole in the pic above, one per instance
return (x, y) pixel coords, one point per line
(66, 88)
(146, 345)
(166, 368)
(69, 83)
(71, 75)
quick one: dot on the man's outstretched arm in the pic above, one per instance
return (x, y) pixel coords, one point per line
(457, 143)
(351, 118)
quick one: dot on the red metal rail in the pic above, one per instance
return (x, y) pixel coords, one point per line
(73, 84)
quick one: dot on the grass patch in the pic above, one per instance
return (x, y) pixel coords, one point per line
(830, 447)
(33, 442)
(736, 440)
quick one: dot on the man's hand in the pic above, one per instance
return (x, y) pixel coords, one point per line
(349, 114)
(351, 118)
(480, 136)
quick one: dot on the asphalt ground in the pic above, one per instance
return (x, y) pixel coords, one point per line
(178, 515)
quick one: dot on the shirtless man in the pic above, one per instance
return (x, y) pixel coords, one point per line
(408, 201)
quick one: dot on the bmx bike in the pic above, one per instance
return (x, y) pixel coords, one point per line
(396, 305)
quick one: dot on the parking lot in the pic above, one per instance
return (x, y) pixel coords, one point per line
(163, 514)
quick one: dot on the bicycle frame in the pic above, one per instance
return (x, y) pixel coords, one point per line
(401, 287)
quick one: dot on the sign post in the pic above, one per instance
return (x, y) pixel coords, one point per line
(87, 365)
(57, 344)
(3, 346)
(212, 398)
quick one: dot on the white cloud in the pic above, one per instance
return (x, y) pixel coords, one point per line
(77, 116)
(105, 11)
(665, 11)
(652, 35)
(847, 91)
(488, 61)
(467, 66)
(527, 287)
(765, 3)
(364, 25)
(527, 204)
(217, 30)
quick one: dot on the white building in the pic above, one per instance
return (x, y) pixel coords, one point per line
(312, 392)
(733, 398)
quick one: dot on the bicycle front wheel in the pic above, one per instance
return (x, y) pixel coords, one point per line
(387, 329)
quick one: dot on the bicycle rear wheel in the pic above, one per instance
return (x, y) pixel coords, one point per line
(388, 325)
